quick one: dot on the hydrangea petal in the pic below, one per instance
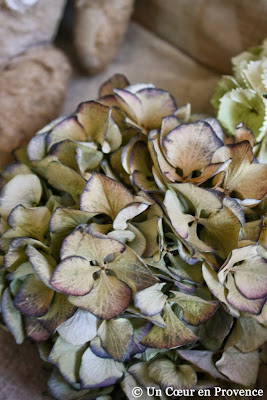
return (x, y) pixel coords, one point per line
(151, 301)
(116, 337)
(190, 146)
(22, 189)
(74, 275)
(108, 299)
(67, 358)
(12, 317)
(103, 195)
(117, 81)
(59, 311)
(79, 329)
(33, 298)
(98, 372)
(167, 374)
(239, 367)
(195, 310)
(35, 330)
(175, 334)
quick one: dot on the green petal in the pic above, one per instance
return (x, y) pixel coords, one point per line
(65, 179)
(175, 334)
(61, 390)
(215, 330)
(243, 105)
(248, 335)
(255, 75)
(69, 128)
(226, 84)
(117, 81)
(130, 268)
(195, 310)
(108, 298)
(221, 231)
(28, 222)
(74, 275)
(103, 195)
(92, 246)
(60, 310)
(43, 264)
(167, 374)
(116, 337)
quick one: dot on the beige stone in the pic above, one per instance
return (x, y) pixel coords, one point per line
(99, 29)
(210, 31)
(20, 30)
(32, 90)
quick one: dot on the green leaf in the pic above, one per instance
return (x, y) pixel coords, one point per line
(116, 337)
(175, 334)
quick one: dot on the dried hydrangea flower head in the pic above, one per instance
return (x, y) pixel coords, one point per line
(133, 247)
(242, 96)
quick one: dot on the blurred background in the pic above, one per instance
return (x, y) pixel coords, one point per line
(55, 54)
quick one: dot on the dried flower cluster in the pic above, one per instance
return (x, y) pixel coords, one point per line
(133, 247)
(242, 97)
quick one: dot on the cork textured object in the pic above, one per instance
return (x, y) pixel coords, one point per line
(34, 26)
(32, 92)
(99, 30)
